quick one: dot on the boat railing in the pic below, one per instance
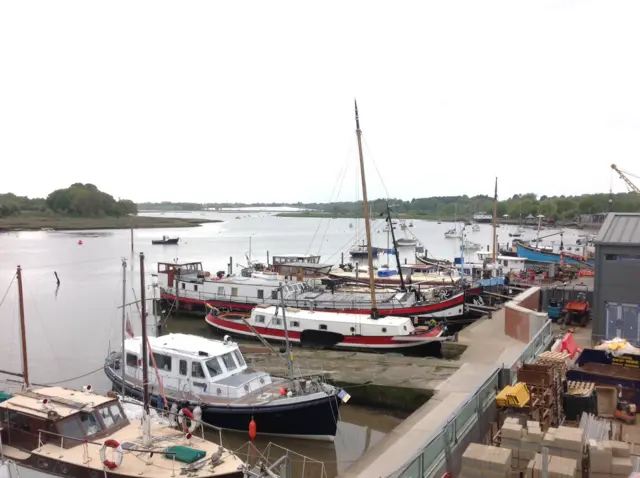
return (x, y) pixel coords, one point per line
(87, 454)
(270, 461)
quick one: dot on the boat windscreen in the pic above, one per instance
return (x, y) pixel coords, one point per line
(213, 366)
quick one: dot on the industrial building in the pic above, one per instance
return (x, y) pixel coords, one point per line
(616, 307)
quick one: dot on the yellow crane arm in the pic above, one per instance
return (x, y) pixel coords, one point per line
(625, 178)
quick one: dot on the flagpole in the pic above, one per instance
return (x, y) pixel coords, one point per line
(123, 360)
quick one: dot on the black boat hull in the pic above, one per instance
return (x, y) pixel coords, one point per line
(314, 419)
(168, 242)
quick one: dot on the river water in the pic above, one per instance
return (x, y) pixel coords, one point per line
(71, 328)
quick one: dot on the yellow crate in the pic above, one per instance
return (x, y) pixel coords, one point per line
(513, 396)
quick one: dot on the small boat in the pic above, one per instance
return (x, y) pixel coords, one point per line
(483, 217)
(452, 234)
(410, 224)
(361, 251)
(515, 234)
(331, 330)
(166, 240)
(472, 246)
(213, 375)
(407, 241)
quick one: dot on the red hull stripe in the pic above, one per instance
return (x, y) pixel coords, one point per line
(400, 311)
(349, 340)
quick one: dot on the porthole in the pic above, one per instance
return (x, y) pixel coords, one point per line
(261, 381)
(405, 327)
(352, 329)
(246, 388)
(384, 329)
(219, 391)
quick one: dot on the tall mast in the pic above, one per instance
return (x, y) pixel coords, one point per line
(395, 248)
(367, 226)
(124, 325)
(286, 334)
(23, 330)
(495, 219)
(145, 352)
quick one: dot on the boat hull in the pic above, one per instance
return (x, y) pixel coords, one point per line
(313, 419)
(451, 307)
(535, 255)
(416, 345)
(169, 242)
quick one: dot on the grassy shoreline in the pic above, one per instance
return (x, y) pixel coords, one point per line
(70, 223)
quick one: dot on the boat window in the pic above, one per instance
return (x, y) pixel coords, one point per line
(213, 366)
(260, 319)
(229, 362)
(116, 413)
(71, 428)
(163, 362)
(239, 358)
(107, 419)
(183, 367)
(234, 291)
(274, 294)
(195, 287)
(260, 294)
(277, 321)
(323, 327)
(220, 290)
(196, 370)
(90, 423)
(132, 360)
(183, 285)
(295, 323)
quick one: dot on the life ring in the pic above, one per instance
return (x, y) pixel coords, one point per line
(193, 418)
(117, 454)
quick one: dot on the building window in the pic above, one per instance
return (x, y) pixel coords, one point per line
(234, 291)
(322, 327)
(163, 362)
(295, 323)
(622, 257)
(183, 367)
(132, 360)
(260, 294)
(260, 319)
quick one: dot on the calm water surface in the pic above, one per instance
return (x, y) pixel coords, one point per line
(71, 327)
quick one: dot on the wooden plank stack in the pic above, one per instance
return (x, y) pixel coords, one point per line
(558, 361)
(540, 380)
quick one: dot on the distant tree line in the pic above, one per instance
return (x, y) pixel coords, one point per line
(77, 200)
(556, 207)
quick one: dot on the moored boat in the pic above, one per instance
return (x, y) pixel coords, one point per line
(331, 330)
(541, 254)
(166, 240)
(213, 375)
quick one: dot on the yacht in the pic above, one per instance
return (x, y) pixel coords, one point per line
(195, 371)
(483, 217)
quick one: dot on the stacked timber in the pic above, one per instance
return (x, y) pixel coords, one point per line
(558, 362)
(540, 381)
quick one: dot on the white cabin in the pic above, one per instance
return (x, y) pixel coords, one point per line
(197, 365)
(508, 263)
(345, 324)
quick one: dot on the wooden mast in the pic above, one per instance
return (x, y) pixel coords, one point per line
(23, 330)
(367, 226)
(495, 219)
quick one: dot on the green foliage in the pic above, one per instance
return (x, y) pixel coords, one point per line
(87, 200)
(12, 205)
(169, 206)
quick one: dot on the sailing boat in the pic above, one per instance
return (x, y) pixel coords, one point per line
(454, 233)
(340, 330)
(55, 431)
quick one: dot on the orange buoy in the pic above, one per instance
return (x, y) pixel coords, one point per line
(283, 391)
(252, 429)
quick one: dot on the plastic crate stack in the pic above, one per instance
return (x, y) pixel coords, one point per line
(558, 361)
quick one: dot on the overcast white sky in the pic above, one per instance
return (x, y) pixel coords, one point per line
(253, 100)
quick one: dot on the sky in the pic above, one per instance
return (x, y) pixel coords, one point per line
(252, 101)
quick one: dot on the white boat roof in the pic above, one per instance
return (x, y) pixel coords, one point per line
(183, 344)
(292, 313)
(64, 401)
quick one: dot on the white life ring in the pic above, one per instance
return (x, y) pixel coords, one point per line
(117, 454)
(193, 418)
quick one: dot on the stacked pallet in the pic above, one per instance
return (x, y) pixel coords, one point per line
(540, 380)
(558, 361)
(557, 467)
(609, 459)
(483, 461)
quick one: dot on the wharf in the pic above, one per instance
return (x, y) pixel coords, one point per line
(380, 380)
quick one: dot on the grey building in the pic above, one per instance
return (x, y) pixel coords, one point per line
(616, 307)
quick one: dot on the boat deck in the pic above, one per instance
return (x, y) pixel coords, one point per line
(266, 395)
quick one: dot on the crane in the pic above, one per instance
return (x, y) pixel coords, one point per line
(625, 177)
